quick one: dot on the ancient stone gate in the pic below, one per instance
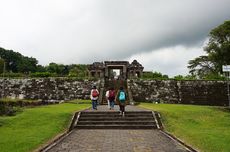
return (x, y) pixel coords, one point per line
(105, 69)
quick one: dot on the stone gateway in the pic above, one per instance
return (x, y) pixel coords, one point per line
(126, 70)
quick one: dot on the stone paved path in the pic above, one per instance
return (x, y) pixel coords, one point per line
(117, 140)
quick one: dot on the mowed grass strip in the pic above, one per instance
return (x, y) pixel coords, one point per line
(16, 100)
(34, 126)
(206, 128)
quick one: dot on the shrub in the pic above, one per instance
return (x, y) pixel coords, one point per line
(12, 75)
(8, 110)
(154, 75)
(42, 74)
(214, 77)
(179, 77)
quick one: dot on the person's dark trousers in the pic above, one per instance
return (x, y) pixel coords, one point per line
(94, 104)
(122, 108)
(111, 102)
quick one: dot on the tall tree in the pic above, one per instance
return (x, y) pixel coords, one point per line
(15, 62)
(59, 69)
(1, 65)
(218, 53)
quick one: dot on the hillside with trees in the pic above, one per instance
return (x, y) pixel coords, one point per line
(16, 62)
(17, 65)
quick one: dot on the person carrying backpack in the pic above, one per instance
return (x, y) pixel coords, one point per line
(107, 98)
(121, 96)
(94, 94)
(111, 98)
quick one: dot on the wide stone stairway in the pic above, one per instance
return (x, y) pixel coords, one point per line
(104, 130)
(113, 120)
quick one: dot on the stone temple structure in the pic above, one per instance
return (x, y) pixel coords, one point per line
(107, 69)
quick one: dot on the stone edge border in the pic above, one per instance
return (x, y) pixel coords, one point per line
(169, 135)
(54, 141)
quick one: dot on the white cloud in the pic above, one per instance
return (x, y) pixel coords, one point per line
(171, 61)
(85, 31)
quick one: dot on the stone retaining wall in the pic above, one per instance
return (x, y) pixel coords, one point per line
(186, 92)
(169, 91)
(46, 89)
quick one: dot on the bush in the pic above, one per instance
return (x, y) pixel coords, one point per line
(12, 75)
(72, 75)
(187, 77)
(42, 74)
(8, 110)
(214, 77)
(179, 77)
(154, 75)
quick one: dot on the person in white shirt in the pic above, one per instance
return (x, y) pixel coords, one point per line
(107, 98)
(94, 97)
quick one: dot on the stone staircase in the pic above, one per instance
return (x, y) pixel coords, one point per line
(112, 120)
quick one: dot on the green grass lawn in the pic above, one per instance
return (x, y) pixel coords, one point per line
(16, 100)
(205, 128)
(80, 101)
(34, 126)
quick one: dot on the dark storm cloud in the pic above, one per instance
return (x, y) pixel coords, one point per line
(150, 25)
(85, 31)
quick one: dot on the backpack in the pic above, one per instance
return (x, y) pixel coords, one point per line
(94, 93)
(111, 94)
(122, 96)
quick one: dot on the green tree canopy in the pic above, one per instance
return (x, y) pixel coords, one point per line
(154, 75)
(15, 62)
(218, 53)
(1, 65)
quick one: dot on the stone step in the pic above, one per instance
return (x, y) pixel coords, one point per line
(115, 112)
(116, 126)
(114, 118)
(116, 122)
(115, 115)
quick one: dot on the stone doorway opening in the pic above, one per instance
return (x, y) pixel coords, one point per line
(116, 72)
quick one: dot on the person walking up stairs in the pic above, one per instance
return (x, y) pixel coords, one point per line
(121, 96)
(94, 97)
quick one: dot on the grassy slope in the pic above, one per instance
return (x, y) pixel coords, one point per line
(34, 126)
(204, 127)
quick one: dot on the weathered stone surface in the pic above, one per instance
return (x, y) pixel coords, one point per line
(169, 91)
(127, 140)
(46, 89)
(90, 140)
(186, 92)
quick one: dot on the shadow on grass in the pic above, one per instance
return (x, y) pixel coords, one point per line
(224, 109)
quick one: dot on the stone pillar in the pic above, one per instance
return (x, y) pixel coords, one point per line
(106, 72)
(101, 74)
(141, 73)
(124, 72)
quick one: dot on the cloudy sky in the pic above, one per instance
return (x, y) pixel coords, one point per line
(162, 35)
